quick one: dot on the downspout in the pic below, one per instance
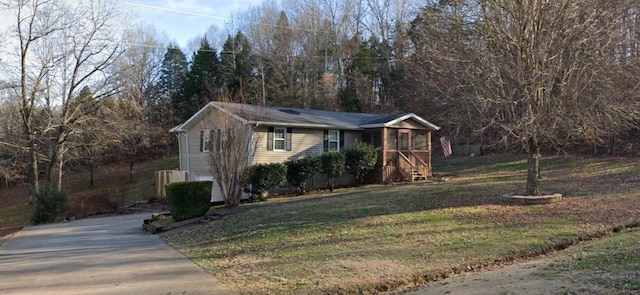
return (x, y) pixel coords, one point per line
(250, 148)
(179, 149)
(186, 137)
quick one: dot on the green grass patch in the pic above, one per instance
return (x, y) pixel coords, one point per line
(633, 285)
(609, 265)
(374, 239)
(621, 252)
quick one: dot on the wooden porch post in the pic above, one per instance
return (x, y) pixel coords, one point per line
(430, 151)
(384, 154)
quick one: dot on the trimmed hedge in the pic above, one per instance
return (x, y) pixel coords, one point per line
(260, 178)
(332, 165)
(189, 199)
(361, 158)
(300, 171)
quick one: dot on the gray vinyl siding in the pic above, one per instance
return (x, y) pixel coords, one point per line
(303, 142)
(182, 146)
(199, 164)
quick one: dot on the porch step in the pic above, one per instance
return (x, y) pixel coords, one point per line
(417, 175)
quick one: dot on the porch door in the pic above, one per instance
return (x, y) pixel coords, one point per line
(404, 144)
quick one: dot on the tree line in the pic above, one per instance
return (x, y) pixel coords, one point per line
(526, 76)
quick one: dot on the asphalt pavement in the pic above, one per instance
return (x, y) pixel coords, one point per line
(110, 256)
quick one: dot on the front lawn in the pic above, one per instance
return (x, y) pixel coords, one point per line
(388, 237)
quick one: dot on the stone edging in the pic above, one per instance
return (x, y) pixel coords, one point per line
(534, 200)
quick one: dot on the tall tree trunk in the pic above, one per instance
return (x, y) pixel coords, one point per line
(533, 171)
(35, 179)
(60, 172)
(54, 175)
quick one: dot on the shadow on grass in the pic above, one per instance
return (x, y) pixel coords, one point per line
(485, 187)
(464, 220)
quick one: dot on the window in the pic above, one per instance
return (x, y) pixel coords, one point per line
(205, 140)
(279, 139)
(334, 140)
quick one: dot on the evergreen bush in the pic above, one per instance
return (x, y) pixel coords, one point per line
(360, 159)
(300, 171)
(263, 177)
(50, 203)
(332, 165)
(189, 199)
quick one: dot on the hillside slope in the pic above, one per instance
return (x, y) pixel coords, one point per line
(113, 188)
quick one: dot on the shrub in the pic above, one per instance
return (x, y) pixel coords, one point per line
(263, 177)
(189, 199)
(361, 158)
(50, 203)
(332, 165)
(299, 171)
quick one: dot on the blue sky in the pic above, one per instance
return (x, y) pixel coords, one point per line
(183, 20)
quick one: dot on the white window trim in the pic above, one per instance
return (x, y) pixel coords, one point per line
(337, 141)
(284, 139)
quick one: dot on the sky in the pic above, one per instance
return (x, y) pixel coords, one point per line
(183, 20)
(180, 20)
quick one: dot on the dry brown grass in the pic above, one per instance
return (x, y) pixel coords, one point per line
(385, 238)
(85, 201)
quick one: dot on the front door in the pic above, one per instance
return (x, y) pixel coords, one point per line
(404, 142)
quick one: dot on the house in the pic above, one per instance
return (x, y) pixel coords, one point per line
(403, 141)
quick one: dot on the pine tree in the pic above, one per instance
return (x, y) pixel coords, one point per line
(237, 67)
(172, 77)
(202, 83)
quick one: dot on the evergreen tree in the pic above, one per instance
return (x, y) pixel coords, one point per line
(202, 83)
(237, 67)
(282, 83)
(172, 77)
(356, 95)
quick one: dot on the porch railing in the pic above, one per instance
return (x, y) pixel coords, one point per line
(405, 166)
(421, 159)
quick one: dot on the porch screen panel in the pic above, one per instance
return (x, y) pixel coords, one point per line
(419, 140)
(377, 139)
(404, 141)
(392, 139)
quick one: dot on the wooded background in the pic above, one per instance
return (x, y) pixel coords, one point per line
(81, 86)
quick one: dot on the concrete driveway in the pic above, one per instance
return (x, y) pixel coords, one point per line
(109, 255)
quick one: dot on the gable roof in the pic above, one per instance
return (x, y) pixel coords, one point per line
(306, 118)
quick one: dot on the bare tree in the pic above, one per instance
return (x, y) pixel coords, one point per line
(542, 72)
(230, 151)
(139, 69)
(64, 47)
(12, 149)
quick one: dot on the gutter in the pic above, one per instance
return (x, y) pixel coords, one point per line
(306, 125)
(186, 136)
